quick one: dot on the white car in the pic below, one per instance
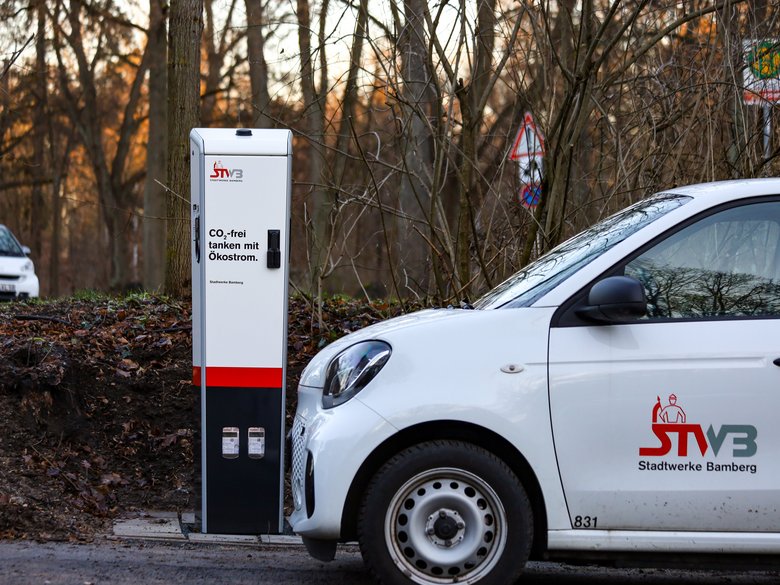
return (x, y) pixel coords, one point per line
(618, 396)
(17, 272)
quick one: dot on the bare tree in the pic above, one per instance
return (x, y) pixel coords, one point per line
(583, 51)
(421, 111)
(184, 37)
(156, 150)
(220, 38)
(37, 215)
(316, 208)
(402, 119)
(87, 112)
(258, 68)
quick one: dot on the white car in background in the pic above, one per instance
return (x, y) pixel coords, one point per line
(17, 272)
(617, 397)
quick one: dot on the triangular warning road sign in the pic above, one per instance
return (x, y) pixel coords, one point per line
(529, 141)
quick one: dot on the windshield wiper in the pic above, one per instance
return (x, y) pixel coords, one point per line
(464, 304)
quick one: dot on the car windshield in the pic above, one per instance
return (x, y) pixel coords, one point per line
(526, 286)
(8, 244)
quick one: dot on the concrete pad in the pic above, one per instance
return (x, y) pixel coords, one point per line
(165, 525)
(160, 514)
(245, 539)
(155, 528)
(280, 539)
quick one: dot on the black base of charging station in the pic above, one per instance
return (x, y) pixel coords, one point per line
(243, 495)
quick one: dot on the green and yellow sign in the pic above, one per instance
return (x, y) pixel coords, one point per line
(764, 60)
(761, 75)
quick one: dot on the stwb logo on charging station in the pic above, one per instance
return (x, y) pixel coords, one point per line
(221, 173)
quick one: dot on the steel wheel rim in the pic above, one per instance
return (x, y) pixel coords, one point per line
(445, 525)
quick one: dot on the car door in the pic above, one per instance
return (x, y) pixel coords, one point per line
(670, 421)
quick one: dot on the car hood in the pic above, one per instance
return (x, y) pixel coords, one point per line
(12, 265)
(314, 373)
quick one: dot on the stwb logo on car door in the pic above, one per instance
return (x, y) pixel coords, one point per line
(671, 420)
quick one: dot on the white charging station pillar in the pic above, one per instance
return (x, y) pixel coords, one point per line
(240, 217)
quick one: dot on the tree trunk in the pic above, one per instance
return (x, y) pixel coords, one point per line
(118, 231)
(184, 37)
(465, 180)
(37, 216)
(58, 172)
(156, 152)
(217, 46)
(350, 97)
(420, 113)
(213, 65)
(258, 69)
(56, 237)
(472, 99)
(317, 202)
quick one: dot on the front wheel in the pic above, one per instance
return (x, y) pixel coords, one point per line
(445, 512)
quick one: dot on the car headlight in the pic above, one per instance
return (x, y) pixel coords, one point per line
(351, 371)
(27, 266)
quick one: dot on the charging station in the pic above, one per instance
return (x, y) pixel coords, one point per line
(240, 214)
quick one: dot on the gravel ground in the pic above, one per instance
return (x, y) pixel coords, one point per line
(134, 563)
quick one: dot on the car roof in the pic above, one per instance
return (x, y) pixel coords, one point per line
(735, 189)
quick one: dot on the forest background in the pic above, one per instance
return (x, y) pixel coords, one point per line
(403, 114)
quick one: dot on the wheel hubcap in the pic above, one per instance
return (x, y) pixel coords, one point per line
(445, 525)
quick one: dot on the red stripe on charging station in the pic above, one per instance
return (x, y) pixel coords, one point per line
(239, 377)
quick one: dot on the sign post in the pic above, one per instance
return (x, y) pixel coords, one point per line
(528, 151)
(761, 81)
(240, 216)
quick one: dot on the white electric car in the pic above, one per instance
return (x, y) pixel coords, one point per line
(618, 396)
(17, 272)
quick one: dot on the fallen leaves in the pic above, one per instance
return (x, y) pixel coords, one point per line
(97, 412)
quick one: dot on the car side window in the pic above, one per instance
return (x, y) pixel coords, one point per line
(725, 265)
(8, 245)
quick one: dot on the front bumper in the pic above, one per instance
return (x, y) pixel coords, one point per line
(328, 448)
(18, 287)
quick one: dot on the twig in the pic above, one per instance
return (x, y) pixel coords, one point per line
(14, 56)
(172, 329)
(51, 464)
(42, 318)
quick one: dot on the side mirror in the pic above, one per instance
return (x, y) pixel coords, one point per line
(26, 250)
(615, 299)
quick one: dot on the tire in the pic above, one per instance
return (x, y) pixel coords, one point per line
(445, 512)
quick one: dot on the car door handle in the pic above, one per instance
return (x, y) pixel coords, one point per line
(777, 362)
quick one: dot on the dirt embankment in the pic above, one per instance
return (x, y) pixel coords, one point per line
(97, 412)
